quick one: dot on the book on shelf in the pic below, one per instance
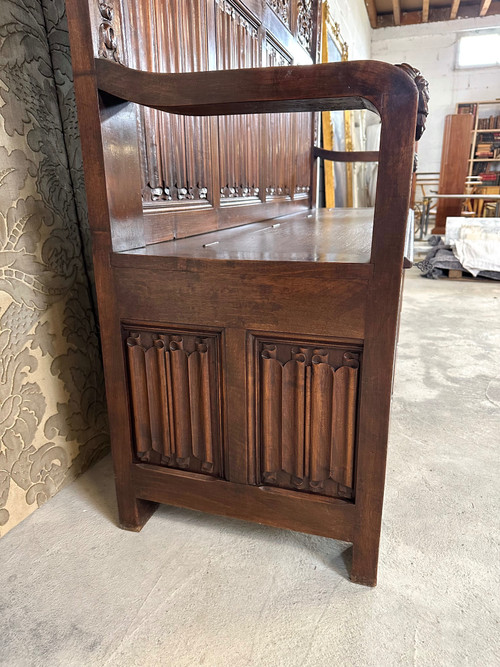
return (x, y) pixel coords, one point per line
(487, 149)
(484, 156)
(467, 108)
(489, 173)
(489, 123)
(488, 136)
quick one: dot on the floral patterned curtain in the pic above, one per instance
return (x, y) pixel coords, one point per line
(52, 409)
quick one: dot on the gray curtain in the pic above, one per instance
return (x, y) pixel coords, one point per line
(52, 409)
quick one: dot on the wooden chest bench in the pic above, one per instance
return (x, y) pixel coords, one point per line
(249, 360)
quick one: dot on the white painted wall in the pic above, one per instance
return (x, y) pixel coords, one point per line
(354, 26)
(431, 47)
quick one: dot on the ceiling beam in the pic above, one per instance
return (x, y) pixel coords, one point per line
(412, 17)
(372, 12)
(396, 10)
(454, 9)
(483, 9)
(425, 11)
(466, 11)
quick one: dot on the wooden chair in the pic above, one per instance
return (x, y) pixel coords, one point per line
(248, 368)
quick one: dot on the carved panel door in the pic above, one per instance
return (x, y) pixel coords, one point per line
(306, 407)
(302, 400)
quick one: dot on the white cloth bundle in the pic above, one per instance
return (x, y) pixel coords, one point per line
(475, 243)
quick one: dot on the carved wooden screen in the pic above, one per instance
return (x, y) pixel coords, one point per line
(200, 174)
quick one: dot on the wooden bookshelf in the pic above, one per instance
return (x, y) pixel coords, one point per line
(484, 157)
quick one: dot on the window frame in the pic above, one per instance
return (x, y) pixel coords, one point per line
(475, 33)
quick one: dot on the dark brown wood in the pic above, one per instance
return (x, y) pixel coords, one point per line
(225, 160)
(139, 395)
(298, 405)
(175, 397)
(133, 511)
(248, 368)
(344, 425)
(255, 297)
(350, 85)
(346, 156)
(308, 513)
(454, 166)
(321, 235)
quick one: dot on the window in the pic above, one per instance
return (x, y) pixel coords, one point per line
(479, 49)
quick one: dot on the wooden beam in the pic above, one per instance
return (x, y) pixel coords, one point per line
(372, 12)
(483, 9)
(412, 17)
(396, 10)
(425, 11)
(454, 9)
(438, 14)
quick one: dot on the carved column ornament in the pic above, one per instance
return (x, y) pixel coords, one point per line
(282, 9)
(423, 103)
(305, 23)
(108, 47)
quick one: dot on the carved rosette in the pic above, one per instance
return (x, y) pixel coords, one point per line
(423, 97)
(174, 395)
(307, 406)
(108, 47)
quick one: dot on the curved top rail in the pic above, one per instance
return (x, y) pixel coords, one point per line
(362, 84)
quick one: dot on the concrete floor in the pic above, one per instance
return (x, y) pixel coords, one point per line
(192, 589)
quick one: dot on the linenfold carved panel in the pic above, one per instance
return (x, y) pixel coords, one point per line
(307, 410)
(170, 36)
(174, 391)
(238, 47)
(288, 146)
(230, 160)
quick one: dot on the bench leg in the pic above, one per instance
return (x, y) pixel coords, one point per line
(133, 512)
(365, 561)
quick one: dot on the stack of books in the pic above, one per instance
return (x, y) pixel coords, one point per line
(490, 123)
(484, 149)
(489, 178)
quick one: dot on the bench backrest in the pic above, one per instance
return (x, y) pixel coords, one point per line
(199, 174)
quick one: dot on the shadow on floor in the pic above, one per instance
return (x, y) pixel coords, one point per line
(98, 488)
